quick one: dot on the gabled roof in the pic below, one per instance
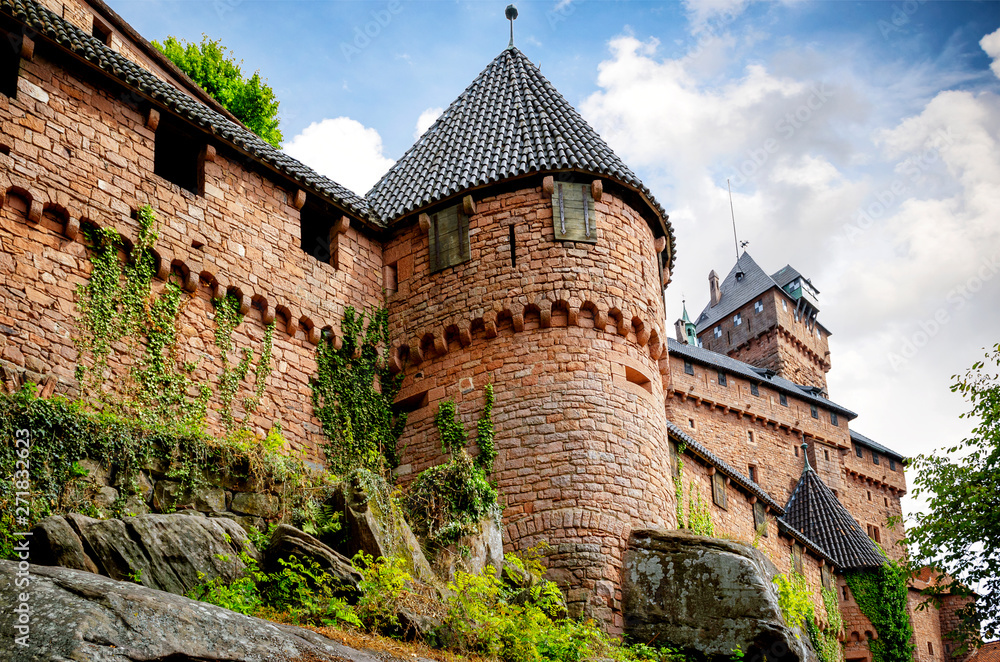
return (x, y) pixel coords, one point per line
(815, 511)
(93, 51)
(736, 293)
(859, 438)
(509, 122)
(753, 373)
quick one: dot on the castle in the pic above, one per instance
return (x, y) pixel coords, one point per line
(510, 246)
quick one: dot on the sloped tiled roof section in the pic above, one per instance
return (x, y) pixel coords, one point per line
(93, 51)
(735, 367)
(785, 275)
(736, 293)
(698, 449)
(509, 122)
(815, 511)
(859, 438)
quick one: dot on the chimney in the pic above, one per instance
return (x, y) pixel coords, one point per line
(715, 293)
(680, 328)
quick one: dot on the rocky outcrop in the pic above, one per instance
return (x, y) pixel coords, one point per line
(172, 553)
(380, 532)
(473, 553)
(82, 616)
(706, 597)
(287, 541)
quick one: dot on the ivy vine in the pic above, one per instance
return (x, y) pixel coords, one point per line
(881, 595)
(361, 428)
(447, 501)
(227, 319)
(698, 518)
(826, 642)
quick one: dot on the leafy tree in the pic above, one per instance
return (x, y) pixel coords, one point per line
(215, 69)
(960, 533)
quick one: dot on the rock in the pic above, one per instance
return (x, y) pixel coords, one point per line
(81, 616)
(96, 473)
(288, 541)
(366, 527)
(55, 542)
(248, 522)
(473, 553)
(706, 597)
(169, 495)
(260, 505)
(172, 553)
(105, 497)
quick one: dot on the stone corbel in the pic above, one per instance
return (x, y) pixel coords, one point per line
(299, 201)
(35, 210)
(597, 190)
(27, 47)
(660, 244)
(548, 185)
(425, 222)
(153, 119)
(469, 205)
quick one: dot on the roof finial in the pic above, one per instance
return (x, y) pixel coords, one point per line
(511, 14)
(805, 452)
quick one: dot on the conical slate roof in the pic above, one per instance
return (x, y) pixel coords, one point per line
(814, 511)
(509, 122)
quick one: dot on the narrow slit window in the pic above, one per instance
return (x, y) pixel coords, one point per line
(449, 238)
(783, 399)
(834, 419)
(722, 379)
(875, 459)
(859, 452)
(813, 411)
(754, 389)
(573, 213)
(688, 368)
(513, 247)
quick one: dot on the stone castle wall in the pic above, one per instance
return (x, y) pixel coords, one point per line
(81, 153)
(569, 339)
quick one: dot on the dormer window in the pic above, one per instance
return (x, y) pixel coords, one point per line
(448, 238)
(758, 307)
(101, 32)
(737, 319)
(718, 332)
(573, 214)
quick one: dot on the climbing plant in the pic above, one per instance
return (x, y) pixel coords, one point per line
(353, 392)
(698, 518)
(118, 309)
(227, 319)
(826, 642)
(445, 501)
(794, 598)
(881, 595)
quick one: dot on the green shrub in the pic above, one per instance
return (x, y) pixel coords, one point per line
(381, 587)
(881, 595)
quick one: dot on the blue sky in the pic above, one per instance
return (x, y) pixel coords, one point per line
(860, 139)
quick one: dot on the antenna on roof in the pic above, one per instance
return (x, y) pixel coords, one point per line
(736, 241)
(511, 14)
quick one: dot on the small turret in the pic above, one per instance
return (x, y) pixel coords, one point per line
(687, 332)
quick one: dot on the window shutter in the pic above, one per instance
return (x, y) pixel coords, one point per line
(448, 238)
(760, 518)
(719, 489)
(573, 215)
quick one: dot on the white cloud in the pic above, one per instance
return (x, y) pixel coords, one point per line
(890, 211)
(342, 149)
(991, 44)
(425, 120)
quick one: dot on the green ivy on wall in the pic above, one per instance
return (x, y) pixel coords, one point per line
(796, 603)
(698, 518)
(445, 502)
(881, 595)
(357, 417)
(118, 312)
(227, 319)
(826, 642)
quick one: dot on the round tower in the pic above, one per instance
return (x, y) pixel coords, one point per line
(526, 254)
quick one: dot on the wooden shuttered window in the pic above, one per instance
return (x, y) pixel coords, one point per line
(573, 214)
(719, 490)
(760, 518)
(448, 237)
